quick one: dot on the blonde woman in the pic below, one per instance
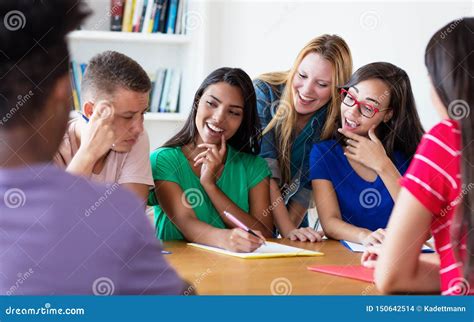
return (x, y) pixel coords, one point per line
(297, 108)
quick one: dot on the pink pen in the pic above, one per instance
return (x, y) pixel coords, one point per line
(242, 225)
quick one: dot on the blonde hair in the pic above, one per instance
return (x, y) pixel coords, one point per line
(332, 48)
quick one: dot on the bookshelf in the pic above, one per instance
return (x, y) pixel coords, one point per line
(153, 51)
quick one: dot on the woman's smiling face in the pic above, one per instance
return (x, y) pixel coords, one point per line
(312, 84)
(371, 94)
(220, 112)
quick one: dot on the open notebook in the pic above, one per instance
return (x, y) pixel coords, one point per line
(358, 248)
(265, 251)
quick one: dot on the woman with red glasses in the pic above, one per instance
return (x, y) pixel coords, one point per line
(355, 175)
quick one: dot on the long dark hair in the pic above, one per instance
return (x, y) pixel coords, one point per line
(403, 131)
(449, 59)
(246, 137)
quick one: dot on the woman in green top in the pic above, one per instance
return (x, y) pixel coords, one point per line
(211, 166)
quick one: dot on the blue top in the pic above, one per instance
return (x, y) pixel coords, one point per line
(362, 203)
(299, 189)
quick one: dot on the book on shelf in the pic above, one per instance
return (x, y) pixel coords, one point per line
(164, 93)
(76, 72)
(157, 90)
(116, 12)
(173, 94)
(156, 15)
(163, 16)
(172, 15)
(137, 15)
(179, 19)
(149, 16)
(75, 97)
(142, 16)
(170, 90)
(127, 16)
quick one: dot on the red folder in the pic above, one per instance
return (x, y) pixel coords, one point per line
(357, 272)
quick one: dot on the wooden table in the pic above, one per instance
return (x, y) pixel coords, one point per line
(213, 273)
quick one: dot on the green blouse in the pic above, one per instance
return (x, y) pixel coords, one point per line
(242, 172)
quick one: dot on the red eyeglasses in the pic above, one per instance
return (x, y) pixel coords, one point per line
(365, 109)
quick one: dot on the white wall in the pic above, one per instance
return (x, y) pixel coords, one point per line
(262, 36)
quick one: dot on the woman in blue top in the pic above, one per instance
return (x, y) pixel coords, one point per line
(296, 108)
(355, 176)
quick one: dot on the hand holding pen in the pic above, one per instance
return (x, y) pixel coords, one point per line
(242, 226)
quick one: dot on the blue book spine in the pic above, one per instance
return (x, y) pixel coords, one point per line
(165, 93)
(173, 12)
(156, 20)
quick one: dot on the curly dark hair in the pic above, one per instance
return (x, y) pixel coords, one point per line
(33, 52)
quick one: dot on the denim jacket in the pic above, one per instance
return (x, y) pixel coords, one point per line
(299, 188)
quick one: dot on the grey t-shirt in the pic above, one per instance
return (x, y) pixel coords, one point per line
(62, 234)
